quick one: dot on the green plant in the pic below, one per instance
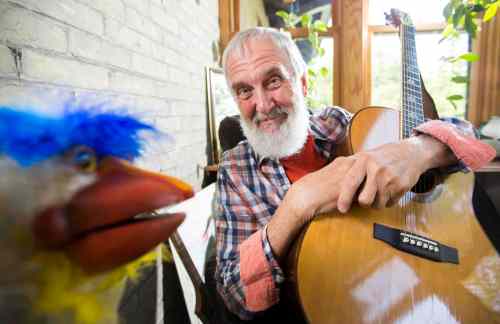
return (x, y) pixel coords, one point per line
(314, 28)
(466, 15)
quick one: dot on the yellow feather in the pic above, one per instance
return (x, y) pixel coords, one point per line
(66, 294)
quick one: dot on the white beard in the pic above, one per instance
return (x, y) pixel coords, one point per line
(288, 140)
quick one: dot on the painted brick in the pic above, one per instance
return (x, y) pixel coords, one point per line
(109, 8)
(165, 17)
(7, 63)
(148, 66)
(158, 3)
(143, 6)
(143, 25)
(181, 77)
(120, 34)
(25, 94)
(69, 12)
(172, 124)
(158, 52)
(156, 63)
(172, 57)
(130, 84)
(154, 106)
(85, 45)
(167, 90)
(57, 70)
(23, 27)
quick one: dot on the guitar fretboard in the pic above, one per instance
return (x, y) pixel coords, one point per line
(411, 106)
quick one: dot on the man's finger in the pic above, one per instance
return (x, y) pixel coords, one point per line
(395, 197)
(383, 195)
(350, 184)
(367, 195)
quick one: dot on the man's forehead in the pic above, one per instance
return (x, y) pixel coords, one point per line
(260, 44)
(257, 51)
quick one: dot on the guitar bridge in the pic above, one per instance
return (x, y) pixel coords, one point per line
(415, 244)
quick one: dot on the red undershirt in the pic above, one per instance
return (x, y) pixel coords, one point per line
(306, 161)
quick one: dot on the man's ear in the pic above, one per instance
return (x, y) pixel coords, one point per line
(303, 83)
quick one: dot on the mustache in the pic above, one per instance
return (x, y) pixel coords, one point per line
(274, 113)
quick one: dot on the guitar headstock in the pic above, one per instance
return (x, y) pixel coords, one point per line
(397, 18)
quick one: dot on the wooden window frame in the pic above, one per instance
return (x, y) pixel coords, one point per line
(384, 29)
(229, 21)
(350, 30)
(351, 89)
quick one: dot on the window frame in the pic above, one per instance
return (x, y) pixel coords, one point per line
(352, 75)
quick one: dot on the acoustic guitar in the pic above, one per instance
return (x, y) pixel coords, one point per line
(424, 260)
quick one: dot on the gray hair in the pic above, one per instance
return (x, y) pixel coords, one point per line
(296, 62)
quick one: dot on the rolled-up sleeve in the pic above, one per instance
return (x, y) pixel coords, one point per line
(460, 138)
(260, 273)
(247, 275)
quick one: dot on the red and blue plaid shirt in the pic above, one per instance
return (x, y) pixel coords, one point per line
(249, 190)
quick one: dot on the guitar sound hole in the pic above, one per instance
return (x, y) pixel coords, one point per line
(426, 183)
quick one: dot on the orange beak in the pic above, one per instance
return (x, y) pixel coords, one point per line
(98, 228)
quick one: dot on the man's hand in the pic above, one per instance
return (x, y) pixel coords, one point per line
(381, 176)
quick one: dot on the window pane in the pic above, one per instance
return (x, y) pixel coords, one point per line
(421, 11)
(318, 9)
(436, 72)
(320, 77)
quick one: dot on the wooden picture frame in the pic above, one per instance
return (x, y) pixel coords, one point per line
(220, 104)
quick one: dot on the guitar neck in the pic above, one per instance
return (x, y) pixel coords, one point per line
(412, 103)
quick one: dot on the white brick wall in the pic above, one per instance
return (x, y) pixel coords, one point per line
(148, 55)
(7, 64)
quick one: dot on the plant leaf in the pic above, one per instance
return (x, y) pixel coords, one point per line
(469, 57)
(458, 14)
(282, 14)
(460, 79)
(305, 21)
(470, 25)
(453, 104)
(314, 39)
(320, 26)
(448, 31)
(491, 11)
(448, 9)
(321, 52)
(454, 97)
(324, 72)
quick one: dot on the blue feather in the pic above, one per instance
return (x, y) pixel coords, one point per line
(29, 138)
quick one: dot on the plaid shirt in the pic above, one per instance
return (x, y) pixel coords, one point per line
(249, 190)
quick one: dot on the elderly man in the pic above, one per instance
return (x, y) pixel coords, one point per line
(273, 183)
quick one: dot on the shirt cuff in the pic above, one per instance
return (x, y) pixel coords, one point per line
(470, 151)
(261, 291)
(276, 270)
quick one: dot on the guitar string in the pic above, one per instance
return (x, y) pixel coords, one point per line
(412, 107)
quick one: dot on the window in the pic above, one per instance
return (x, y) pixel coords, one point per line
(436, 71)
(321, 91)
(320, 67)
(421, 12)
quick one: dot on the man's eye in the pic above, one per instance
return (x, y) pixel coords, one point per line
(244, 93)
(274, 83)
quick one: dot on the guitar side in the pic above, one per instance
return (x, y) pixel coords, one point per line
(344, 275)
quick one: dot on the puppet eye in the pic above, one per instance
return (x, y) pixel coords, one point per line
(83, 158)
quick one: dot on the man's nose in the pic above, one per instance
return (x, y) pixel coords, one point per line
(263, 101)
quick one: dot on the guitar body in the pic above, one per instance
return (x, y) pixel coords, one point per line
(342, 274)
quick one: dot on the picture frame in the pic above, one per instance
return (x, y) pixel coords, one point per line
(220, 104)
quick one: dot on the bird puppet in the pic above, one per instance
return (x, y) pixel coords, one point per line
(69, 200)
